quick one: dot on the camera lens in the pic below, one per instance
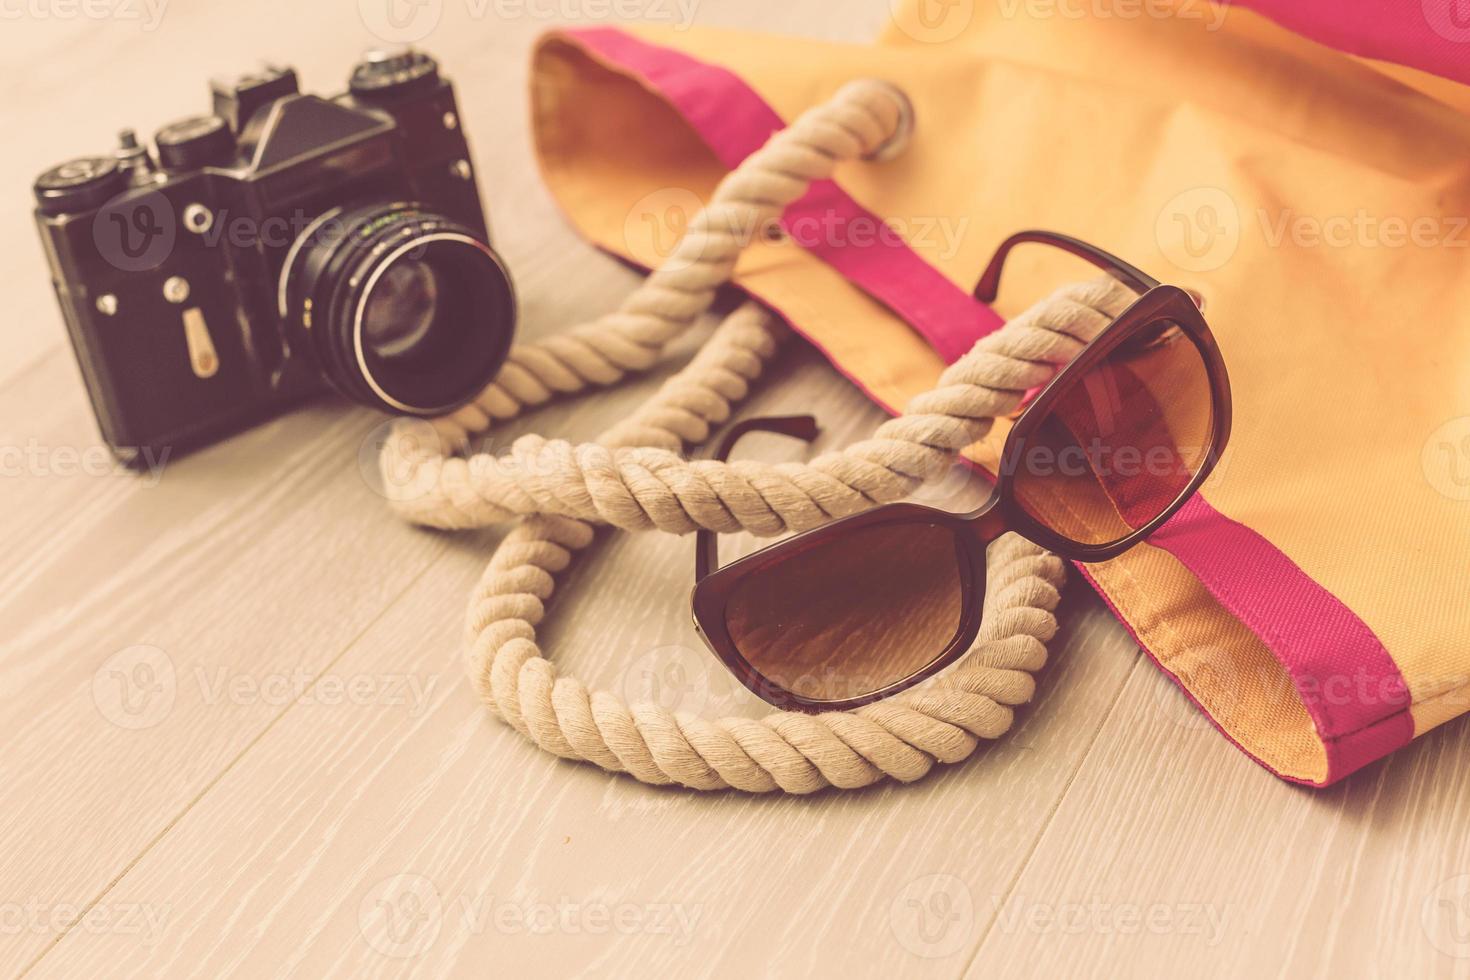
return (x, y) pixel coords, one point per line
(404, 309)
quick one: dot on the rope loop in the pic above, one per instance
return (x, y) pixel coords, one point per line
(636, 477)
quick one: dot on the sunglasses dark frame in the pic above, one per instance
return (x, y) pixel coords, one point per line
(1001, 513)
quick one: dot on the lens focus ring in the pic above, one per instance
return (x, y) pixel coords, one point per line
(404, 309)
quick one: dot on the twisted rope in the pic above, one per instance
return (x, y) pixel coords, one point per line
(638, 487)
(861, 120)
(634, 477)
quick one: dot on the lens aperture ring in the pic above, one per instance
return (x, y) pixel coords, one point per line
(346, 288)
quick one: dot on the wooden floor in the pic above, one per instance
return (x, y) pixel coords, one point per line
(235, 738)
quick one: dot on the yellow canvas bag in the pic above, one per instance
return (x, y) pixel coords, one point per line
(1313, 600)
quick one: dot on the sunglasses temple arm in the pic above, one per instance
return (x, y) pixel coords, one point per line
(989, 284)
(803, 427)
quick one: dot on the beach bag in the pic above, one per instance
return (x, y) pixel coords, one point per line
(1313, 598)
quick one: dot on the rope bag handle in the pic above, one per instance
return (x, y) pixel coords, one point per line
(636, 477)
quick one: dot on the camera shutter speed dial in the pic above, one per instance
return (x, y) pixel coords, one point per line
(393, 72)
(199, 141)
(80, 184)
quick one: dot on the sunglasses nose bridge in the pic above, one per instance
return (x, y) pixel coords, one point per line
(985, 523)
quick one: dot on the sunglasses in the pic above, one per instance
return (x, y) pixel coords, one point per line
(869, 605)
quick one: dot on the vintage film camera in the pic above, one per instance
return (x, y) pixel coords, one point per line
(283, 244)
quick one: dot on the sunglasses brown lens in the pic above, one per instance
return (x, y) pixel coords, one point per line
(1123, 442)
(853, 614)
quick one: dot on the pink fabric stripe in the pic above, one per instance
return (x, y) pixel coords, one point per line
(1427, 34)
(1352, 688)
(1350, 684)
(1112, 607)
(735, 122)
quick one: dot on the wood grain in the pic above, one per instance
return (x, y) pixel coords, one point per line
(296, 843)
(301, 783)
(1169, 855)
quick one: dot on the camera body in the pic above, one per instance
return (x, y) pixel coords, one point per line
(284, 244)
